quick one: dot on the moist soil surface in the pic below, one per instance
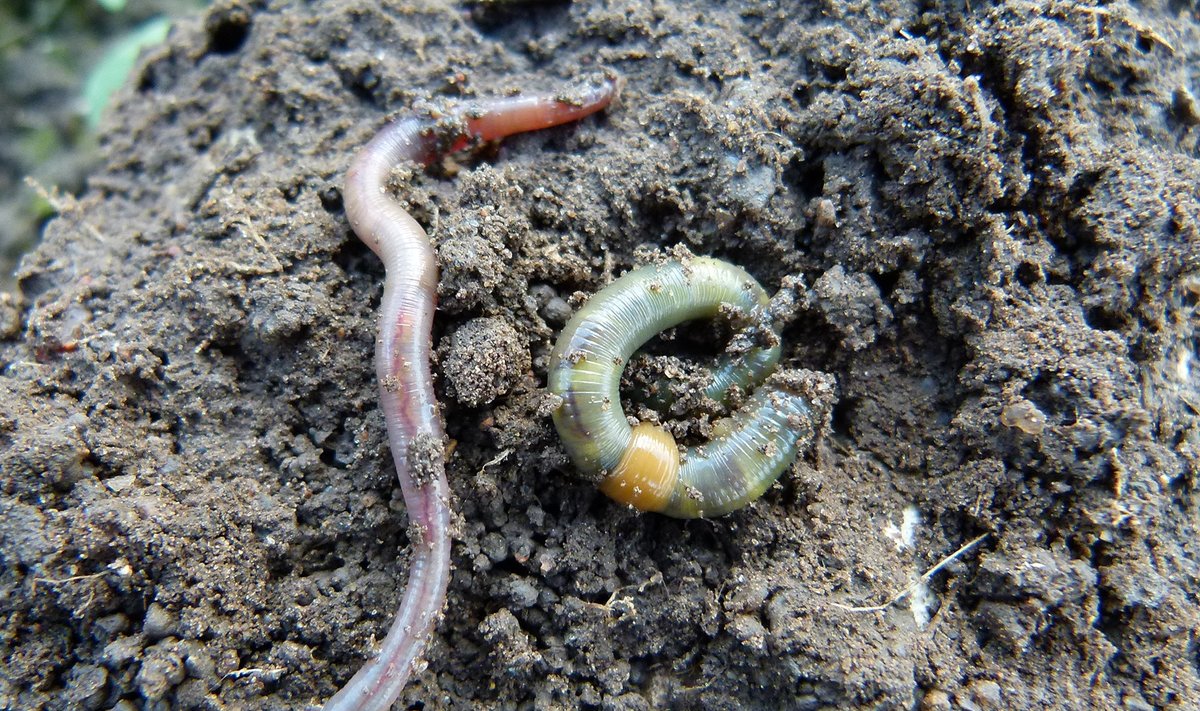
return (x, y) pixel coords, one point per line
(990, 216)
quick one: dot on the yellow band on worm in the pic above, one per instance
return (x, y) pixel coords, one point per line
(646, 477)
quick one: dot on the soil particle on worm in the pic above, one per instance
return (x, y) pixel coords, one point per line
(995, 205)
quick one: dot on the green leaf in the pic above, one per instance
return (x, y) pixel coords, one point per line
(112, 5)
(117, 63)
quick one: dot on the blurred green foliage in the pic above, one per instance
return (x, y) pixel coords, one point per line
(117, 63)
(60, 63)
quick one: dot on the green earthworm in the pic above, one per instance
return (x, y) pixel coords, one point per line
(641, 464)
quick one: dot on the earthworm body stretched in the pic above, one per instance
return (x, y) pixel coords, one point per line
(402, 350)
(641, 465)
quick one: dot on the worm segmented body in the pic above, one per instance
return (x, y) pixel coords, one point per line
(641, 464)
(406, 395)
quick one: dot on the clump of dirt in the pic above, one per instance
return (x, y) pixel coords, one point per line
(993, 207)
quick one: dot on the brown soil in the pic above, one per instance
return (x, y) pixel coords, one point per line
(995, 210)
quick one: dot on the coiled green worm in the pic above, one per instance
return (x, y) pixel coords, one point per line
(641, 464)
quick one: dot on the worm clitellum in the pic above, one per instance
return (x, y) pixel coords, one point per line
(641, 465)
(406, 395)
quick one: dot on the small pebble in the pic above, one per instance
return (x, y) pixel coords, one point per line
(158, 622)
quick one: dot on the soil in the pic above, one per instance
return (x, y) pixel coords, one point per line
(995, 212)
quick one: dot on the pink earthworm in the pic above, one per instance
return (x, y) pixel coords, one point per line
(406, 395)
